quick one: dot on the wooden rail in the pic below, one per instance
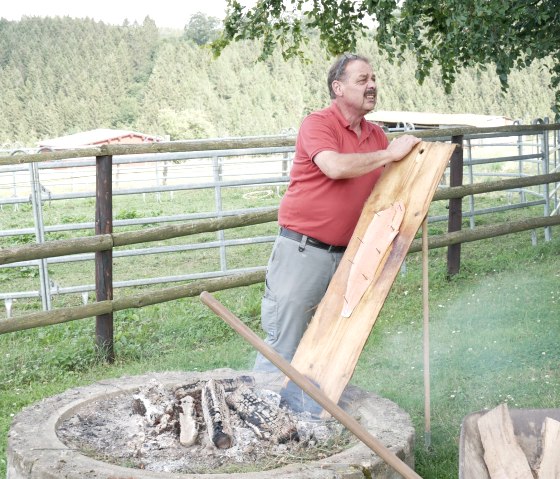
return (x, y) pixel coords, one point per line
(52, 249)
(63, 315)
(105, 242)
(250, 142)
(156, 296)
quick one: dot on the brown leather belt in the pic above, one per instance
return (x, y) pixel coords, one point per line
(294, 235)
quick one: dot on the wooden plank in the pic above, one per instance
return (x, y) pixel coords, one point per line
(503, 456)
(332, 344)
(550, 459)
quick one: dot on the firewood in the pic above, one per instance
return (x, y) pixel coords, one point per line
(216, 414)
(503, 456)
(550, 459)
(268, 420)
(229, 385)
(138, 406)
(188, 427)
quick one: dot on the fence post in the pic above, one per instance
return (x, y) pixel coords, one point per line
(455, 206)
(104, 259)
(471, 181)
(36, 201)
(217, 171)
(546, 171)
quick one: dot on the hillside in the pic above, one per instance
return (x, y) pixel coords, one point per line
(61, 75)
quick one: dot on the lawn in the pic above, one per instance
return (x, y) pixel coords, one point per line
(494, 333)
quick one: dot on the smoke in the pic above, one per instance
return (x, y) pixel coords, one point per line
(493, 339)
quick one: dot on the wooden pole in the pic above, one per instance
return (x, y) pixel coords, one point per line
(154, 296)
(308, 387)
(104, 259)
(426, 311)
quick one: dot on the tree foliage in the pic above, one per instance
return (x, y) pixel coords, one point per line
(452, 34)
(62, 75)
(202, 29)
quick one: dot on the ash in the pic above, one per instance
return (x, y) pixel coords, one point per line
(141, 429)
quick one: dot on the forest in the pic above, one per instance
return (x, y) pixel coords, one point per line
(62, 75)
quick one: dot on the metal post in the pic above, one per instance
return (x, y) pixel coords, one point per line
(555, 168)
(104, 259)
(8, 303)
(520, 166)
(546, 186)
(14, 188)
(158, 194)
(285, 169)
(471, 181)
(44, 291)
(455, 206)
(217, 168)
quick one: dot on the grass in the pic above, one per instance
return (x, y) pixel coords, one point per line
(494, 330)
(65, 275)
(493, 327)
(493, 338)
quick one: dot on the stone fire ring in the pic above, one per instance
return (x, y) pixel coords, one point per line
(34, 450)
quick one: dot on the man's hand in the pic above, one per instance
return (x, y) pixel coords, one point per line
(339, 166)
(401, 146)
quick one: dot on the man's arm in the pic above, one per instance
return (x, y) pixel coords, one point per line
(338, 166)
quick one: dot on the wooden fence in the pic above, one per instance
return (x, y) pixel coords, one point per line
(105, 240)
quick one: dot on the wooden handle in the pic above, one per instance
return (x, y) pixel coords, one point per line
(426, 334)
(307, 386)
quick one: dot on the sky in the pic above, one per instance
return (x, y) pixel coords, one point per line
(166, 13)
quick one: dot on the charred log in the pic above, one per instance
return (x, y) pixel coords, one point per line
(216, 414)
(138, 407)
(229, 385)
(268, 420)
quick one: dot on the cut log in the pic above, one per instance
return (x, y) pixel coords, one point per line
(216, 414)
(266, 419)
(229, 385)
(188, 427)
(550, 459)
(503, 456)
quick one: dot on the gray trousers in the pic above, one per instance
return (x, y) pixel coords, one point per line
(296, 281)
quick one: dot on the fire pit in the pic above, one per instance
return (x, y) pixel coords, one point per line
(174, 425)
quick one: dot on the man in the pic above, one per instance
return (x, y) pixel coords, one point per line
(338, 159)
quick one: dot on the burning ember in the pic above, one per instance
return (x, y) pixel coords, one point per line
(207, 426)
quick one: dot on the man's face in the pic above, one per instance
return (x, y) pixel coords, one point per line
(357, 90)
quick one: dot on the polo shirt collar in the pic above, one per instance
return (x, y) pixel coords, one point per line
(365, 125)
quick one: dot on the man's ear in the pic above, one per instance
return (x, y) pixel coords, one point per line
(337, 87)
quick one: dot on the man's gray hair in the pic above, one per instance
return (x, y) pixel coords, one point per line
(338, 69)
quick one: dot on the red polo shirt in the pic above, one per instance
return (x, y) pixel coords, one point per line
(316, 205)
